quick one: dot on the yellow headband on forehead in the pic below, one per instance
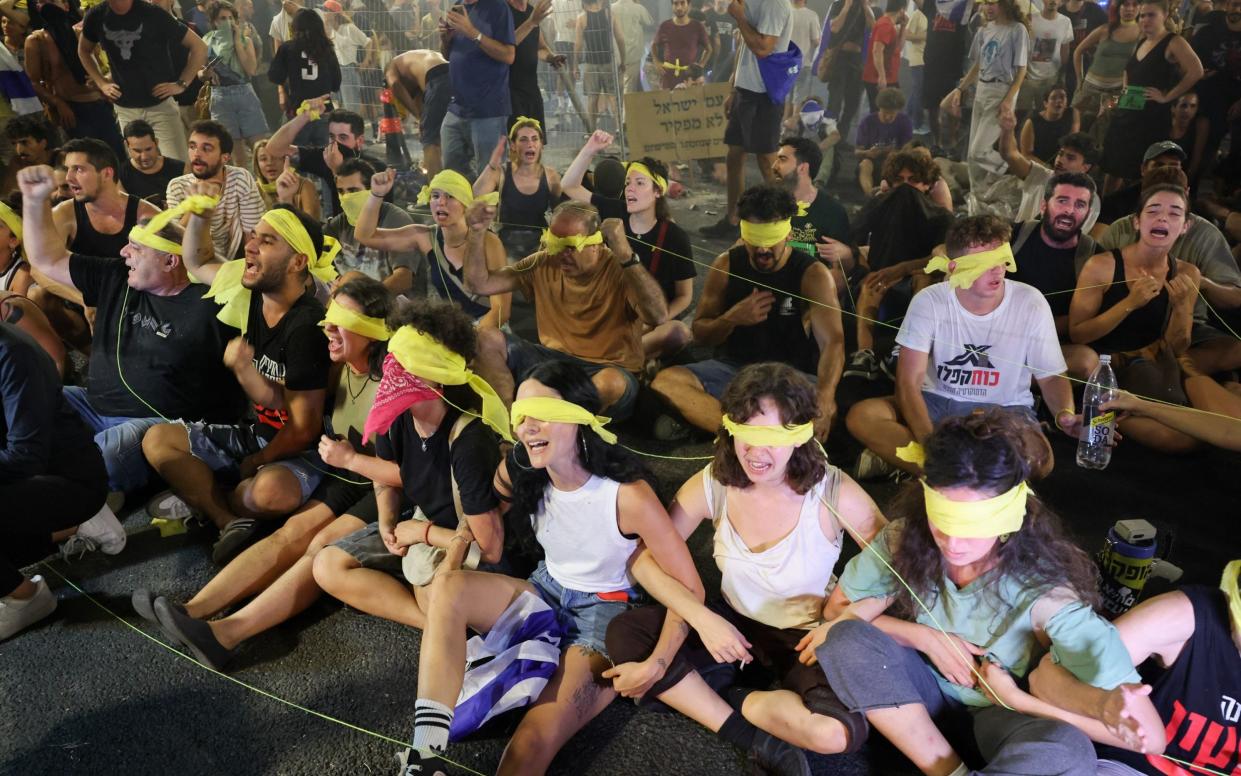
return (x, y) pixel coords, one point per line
(996, 516)
(148, 234)
(425, 357)
(352, 203)
(770, 436)
(967, 269)
(550, 410)
(455, 185)
(362, 325)
(765, 235)
(11, 219)
(1230, 583)
(641, 168)
(554, 244)
(289, 226)
(522, 122)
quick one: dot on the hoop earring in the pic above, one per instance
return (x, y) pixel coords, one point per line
(519, 448)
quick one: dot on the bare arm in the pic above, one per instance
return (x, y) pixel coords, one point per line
(1018, 163)
(368, 232)
(45, 248)
(838, 21)
(828, 330)
(479, 276)
(1085, 47)
(246, 52)
(197, 252)
(1184, 57)
(712, 324)
(197, 57)
(305, 423)
(682, 297)
(86, 53)
(501, 303)
(1027, 139)
(910, 374)
(1197, 424)
(762, 45)
(571, 183)
(1086, 323)
(644, 294)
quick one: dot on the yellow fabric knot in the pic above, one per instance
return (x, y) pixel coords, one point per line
(455, 185)
(964, 270)
(148, 234)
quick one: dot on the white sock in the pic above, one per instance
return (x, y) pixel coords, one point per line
(431, 722)
(961, 771)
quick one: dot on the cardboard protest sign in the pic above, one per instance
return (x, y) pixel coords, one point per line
(677, 124)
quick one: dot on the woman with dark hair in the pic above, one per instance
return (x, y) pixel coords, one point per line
(234, 102)
(1042, 130)
(528, 188)
(277, 570)
(780, 511)
(1113, 45)
(305, 68)
(982, 579)
(591, 507)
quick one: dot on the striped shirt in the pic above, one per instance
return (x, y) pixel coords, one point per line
(241, 207)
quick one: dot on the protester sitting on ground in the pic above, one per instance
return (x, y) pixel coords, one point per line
(236, 474)
(277, 571)
(1076, 153)
(1049, 251)
(52, 480)
(158, 350)
(346, 140)
(590, 506)
(970, 343)
(665, 251)
(26, 315)
(395, 269)
(33, 140)
(879, 134)
(431, 429)
(769, 486)
(146, 172)
(1108, 48)
(420, 82)
(267, 169)
(823, 231)
(14, 269)
(445, 244)
(607, 199)
(982, 558)
(1041, 132)
(240, 206)
(1137, 304)
(1123, 202)
(1212, 349)
(1191, 131)
(528, 188)
(753, 308)
(591, 296)
(305, 71)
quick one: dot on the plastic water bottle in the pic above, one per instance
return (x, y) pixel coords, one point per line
(1094, 449)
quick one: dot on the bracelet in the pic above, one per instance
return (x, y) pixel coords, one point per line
(1061, 414)
(426, 535)
(633, 261)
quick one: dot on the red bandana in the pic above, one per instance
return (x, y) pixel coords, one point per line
(397, 392)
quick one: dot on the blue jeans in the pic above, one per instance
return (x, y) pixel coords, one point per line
(467, 141)
(238, 109)
(585, 616)
(120, 440)
(913, 107)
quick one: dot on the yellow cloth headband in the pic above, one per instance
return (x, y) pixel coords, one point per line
(967, 269)
(362, 325)
(554, 244)
(770, 436)
(642, 169)
(765, 235)
(1229, 584)
(912, 453)
(522, 122)
(425, 357)
(148, 235)
(996, 516)
(455, 185)
(305, 108)
(12, 220)
(352, 203)
(289, 226)
(552, 410)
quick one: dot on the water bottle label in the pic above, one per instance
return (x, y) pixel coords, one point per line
(1102, 418)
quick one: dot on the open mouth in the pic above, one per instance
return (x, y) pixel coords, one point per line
(758, 467)
(1064, 222)
(1159, 231)
(536, 446)
(439, 215)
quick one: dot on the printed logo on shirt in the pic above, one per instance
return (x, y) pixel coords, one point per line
(971, 373)
(138, 320)
(270, 370)
(1200, 741)
(124, 40)
(1230, 708)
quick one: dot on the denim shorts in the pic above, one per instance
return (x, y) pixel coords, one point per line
(715, 374)
(585, 616)
(524, 356)
(223, 447)
(367, 547)
(940, 407)
(238, 109)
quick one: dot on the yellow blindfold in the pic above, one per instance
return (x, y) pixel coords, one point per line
(1229, 584)
(425, 357)
(770, 436)
(551, 410)
(554, 244)
(963, 271)
(12, 220)
(765, 235)
(148, 234)
(455, 185)
(996, 516)
(362, 325)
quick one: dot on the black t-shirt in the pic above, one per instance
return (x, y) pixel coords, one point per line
(1050, 270)
(171, 348)
(1218, 47)
(304, 77)
(902, 224)
(609, 207)
(667, 266)
(854, 29)
(825, 217)
(723, 26)
(1084, 20)
(425, 472)
(1120, 203)
(782, 336)
(293, 354)
(153, 188)
(523, 74)
(137, 44)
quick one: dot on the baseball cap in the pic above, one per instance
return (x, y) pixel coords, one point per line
(1161, 148)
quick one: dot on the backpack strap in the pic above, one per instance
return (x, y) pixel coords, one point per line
(1026, 230)
(458, 426)
(657, 251)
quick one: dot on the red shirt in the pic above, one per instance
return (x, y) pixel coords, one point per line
(885, 33)
(685, 42)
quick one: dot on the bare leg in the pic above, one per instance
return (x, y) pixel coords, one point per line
(782, 713)
(735, 162)
(611, 386)
(375, 592)
(695, 699)
(866, 176)
(432, 159)
(666, 339)
(272, 492)
(681, 389)
(1216, 355)
(765, 162)
(911, 730)
(492, 363)
(167, 449)
(1081, 360)
(876, 423)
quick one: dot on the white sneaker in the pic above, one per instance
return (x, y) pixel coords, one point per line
(103, 530)
(17, 615)
(169, 506)
(871, 467)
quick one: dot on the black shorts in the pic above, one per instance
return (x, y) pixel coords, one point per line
(339, 495)
(435, 99)
(754, 123)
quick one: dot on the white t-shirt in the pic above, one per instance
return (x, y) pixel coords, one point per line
(347, 40)
(279, 28)
(914, 51)
(1046, 37)
(990, 358)
(806, 29)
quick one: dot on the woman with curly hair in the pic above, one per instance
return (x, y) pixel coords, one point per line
(776, 506)
(591, 507)
(983, 579)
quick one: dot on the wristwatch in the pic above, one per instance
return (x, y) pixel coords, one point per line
(633, 260)
(479, 37)
(182, 84)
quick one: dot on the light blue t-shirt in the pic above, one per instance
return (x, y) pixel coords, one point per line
(1003, 617)
(769, 17)
(999, 49)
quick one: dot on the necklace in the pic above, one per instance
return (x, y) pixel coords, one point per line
(353, 395)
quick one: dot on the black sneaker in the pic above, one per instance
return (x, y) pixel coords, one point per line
(863, 365)
(721, 228)
(774, 757)
(415, 764)
(234, 538)
(194, 635)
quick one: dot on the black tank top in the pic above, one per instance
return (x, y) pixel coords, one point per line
(1142, 326)
(782, 336)
(1047, 134)
(524, 211)
(90, 242)
(1154, 69)
(597, 37)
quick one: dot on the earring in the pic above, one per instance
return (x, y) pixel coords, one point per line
(1004, 538)
(585, 451)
